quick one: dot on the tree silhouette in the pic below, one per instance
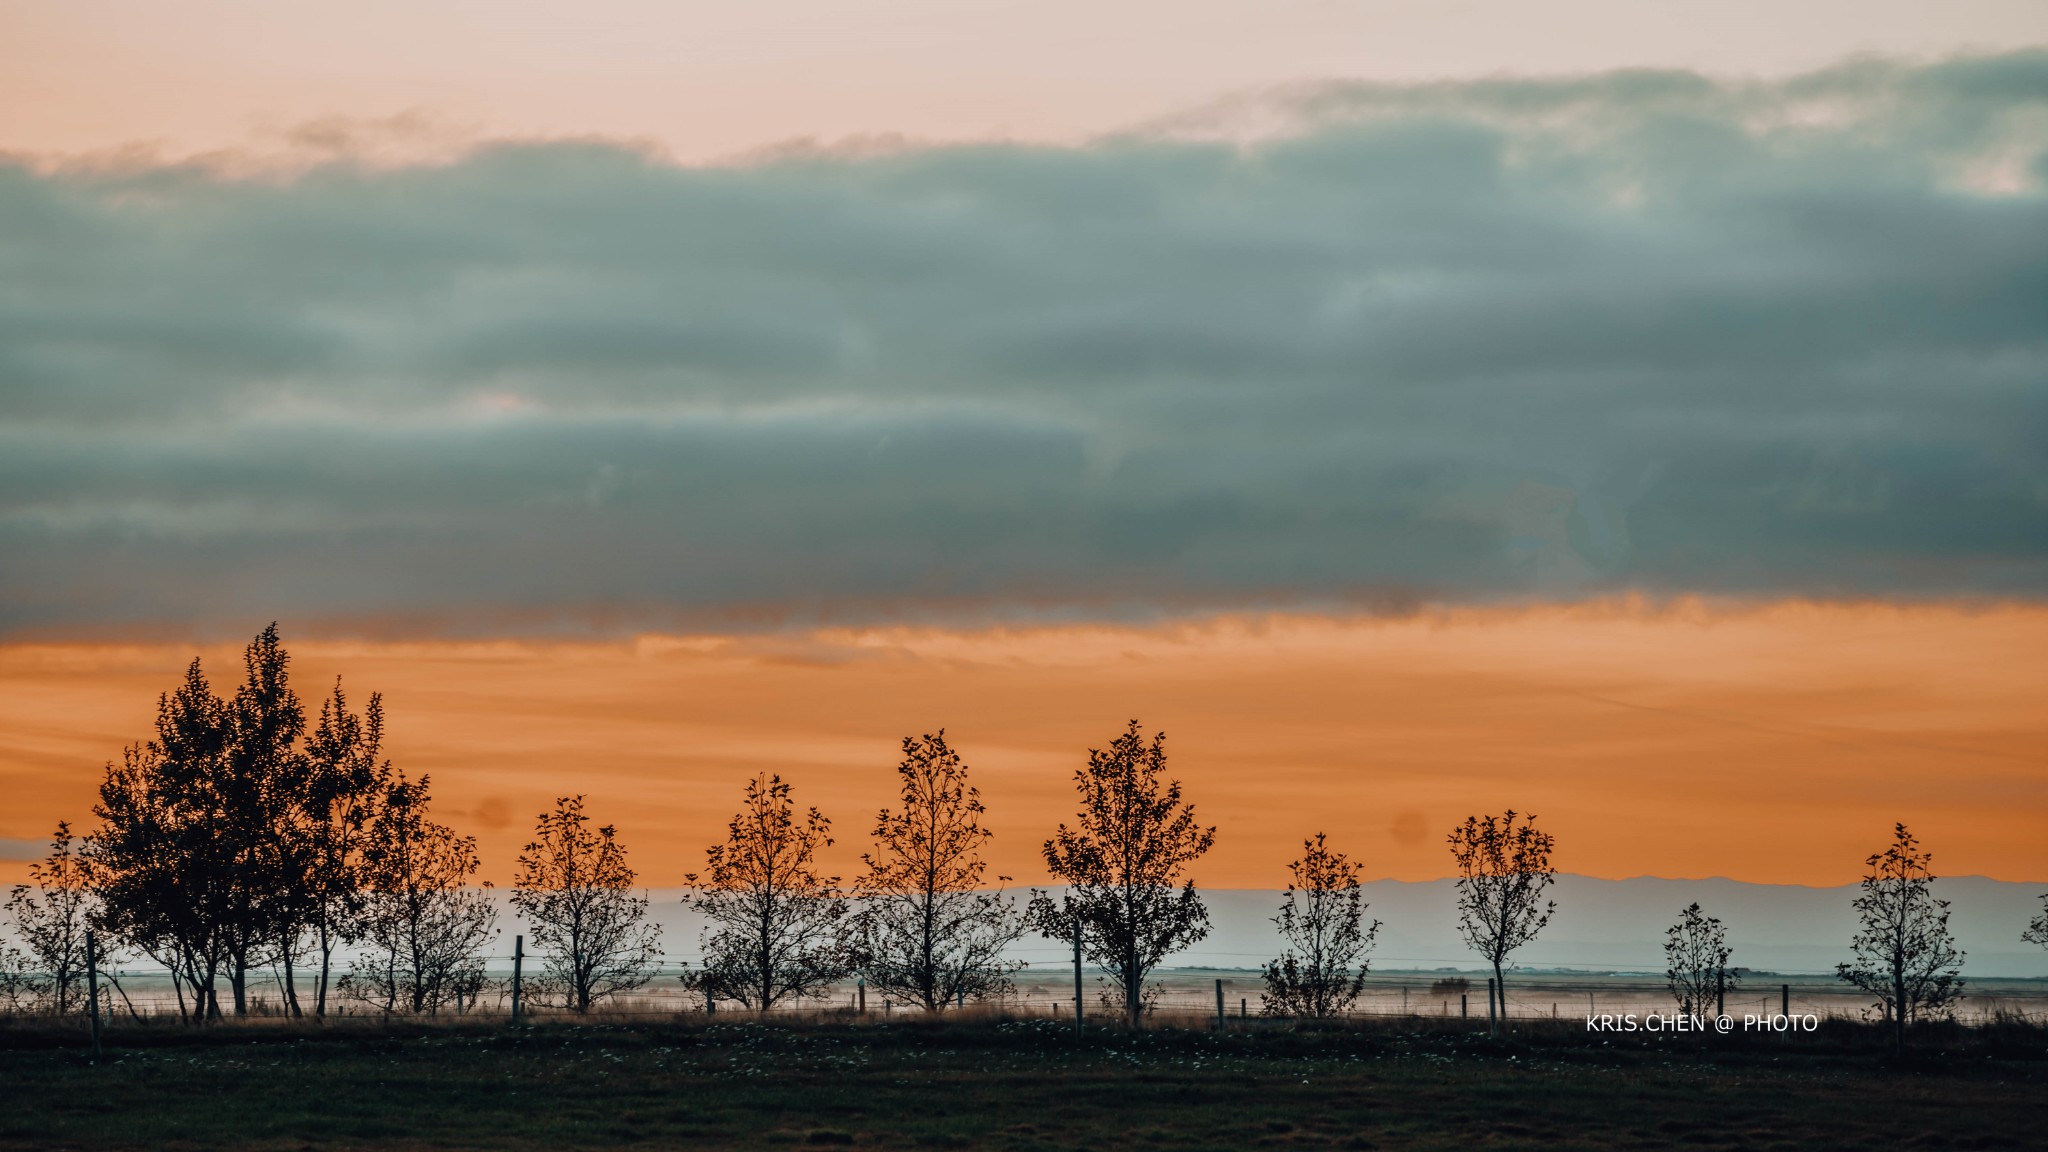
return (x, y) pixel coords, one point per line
(780, 926)
(423, 926)
(163, 860)
(1696, 956)
(2036, 932)
(576, 890)
(1322, 970)
(1905, 955)
(346, 779)
(262, 781)
(1134, 838)
(21, 988)
(51, 915)
(1503, 870)
(927, 933)
(201, 856)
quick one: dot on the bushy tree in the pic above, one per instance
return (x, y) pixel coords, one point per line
(1696, 956)
(1322, 970)
(52, 914)
(1503, 870)
(1123, 863)
(928, 934)
(424, 927)
(225, 846)
(576, 891)
(1905, 956)
(778, 925)
(163, 861)
(263, 780)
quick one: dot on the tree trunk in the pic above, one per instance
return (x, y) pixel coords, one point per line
(1898, 1012)
(291, 987)
(326, 961)
(1500, 998)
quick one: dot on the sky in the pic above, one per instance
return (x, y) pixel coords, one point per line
(1630, 412)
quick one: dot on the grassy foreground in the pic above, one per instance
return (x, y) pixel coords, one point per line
(1017, 1085)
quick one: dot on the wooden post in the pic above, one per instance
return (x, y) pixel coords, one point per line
(1219, 1005)
(1077, 973)
(1720, 992)
(863, 995)
(92, 987)
(1242, 1001)
(1784, 999)
(1493, 1013)
(518, 963)
(1464, 1006)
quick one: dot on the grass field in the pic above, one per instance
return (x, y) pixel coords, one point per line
(1012, 1085)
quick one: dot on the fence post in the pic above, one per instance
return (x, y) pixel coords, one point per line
(1077, 972)
(1493, 1014)
(1464, 1006)
(518, 963)
(863, 994)
(1219, 1005)
(1784, 1000)
(1242, 1011)
(92, 987)
(1720, 992)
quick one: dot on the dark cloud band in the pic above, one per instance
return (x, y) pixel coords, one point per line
(1464, 342)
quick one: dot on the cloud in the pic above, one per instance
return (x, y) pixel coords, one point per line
(1334, 345)
(18, 850)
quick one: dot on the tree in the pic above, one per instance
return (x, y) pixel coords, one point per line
(162, 862)
(576, 891)
(51, 915)
(263, 779)
(200, 858)
(346, 779)
(1133, 840)
(423, 925)
(1322, 969)
(779, 925)
(1503, 871)
(2037, 931)
(927, 932)
(1905, 955)
(1696, 956)
(21, 988)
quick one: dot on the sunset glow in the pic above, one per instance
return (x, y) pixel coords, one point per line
(1686, 741)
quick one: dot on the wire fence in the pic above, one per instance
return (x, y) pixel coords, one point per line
(1046, 989)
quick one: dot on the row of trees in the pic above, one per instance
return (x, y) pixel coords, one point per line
(235, 844)
(1905, 957)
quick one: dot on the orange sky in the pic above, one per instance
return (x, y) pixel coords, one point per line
(1771, 744)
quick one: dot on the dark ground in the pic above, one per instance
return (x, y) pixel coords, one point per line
(1017, 1085)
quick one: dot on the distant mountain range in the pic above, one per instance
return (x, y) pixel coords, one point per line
(1601, 925)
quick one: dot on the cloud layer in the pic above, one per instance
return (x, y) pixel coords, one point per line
(1341, 345)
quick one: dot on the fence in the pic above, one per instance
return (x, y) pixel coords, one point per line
(509, 989)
